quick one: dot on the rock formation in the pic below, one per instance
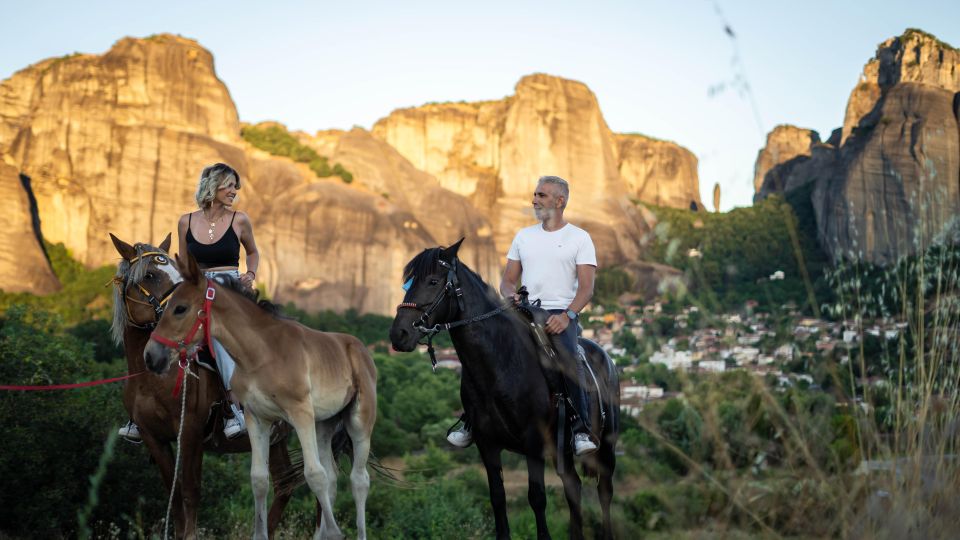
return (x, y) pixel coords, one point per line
(889, 181)
(445, 216)
(786, 147)
(493, 152)
(114, 143)
(660, 173)
(23, 263)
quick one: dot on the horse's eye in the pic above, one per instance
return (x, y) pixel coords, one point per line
(149, 275)
(434, 281)
(179, 310)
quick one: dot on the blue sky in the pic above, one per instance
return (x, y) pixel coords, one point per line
(320, 65)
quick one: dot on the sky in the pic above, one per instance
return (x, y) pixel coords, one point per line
(665, 69)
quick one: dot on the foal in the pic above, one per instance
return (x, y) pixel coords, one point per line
(144, 281)
(285, 371)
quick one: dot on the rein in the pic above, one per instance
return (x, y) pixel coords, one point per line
(182, 345)
(452, 286)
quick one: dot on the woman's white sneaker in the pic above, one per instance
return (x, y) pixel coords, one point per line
(234, 427)
(130, 432)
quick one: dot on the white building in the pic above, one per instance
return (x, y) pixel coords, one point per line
(672, 359)
(714, 366)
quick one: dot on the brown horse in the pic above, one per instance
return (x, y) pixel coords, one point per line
(285, 371)
(144, 280)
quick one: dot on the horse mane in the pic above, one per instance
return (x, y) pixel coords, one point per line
(427, 261)
(423, 264)
(253, 295)
(127, 273)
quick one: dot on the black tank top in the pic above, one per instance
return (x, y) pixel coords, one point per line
(223, 252)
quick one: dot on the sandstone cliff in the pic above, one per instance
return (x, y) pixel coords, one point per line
(444, 215)
(23, 264)
(890, 181)
(493, 152)
(658, 172)
(785, 144)
(115, 142)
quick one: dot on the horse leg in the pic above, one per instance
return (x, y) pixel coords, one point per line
(607, 461)
(537, 495)
(191, 465)
(317, 476)
(162, 455)
(360, 431)
(325, 432)
(259, 432)
(571, 489)
(280, 467)
(498, 499)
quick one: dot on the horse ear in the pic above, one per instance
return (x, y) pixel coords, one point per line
(124, 249)
(451, 251)
(188, 268)
(165, 245)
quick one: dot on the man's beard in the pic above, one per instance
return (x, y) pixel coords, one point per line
(544, 214)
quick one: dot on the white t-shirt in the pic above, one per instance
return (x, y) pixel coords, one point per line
(549, 262)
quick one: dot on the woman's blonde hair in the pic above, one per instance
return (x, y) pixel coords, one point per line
(213, 178)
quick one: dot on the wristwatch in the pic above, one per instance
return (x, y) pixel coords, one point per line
(571, 314)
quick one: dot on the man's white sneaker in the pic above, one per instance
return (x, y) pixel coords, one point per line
(460, 438)
(130, 431)
(582, 445)
(234, 427)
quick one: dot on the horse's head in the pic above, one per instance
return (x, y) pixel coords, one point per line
(184, 308)
(433, 295)
(144, 280)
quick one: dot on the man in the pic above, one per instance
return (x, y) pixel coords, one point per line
(558, 263)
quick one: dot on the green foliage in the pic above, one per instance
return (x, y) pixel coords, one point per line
(611, 283)
(53, 440)
(83, 295)
(452, 507)
(740, 249)
(279, 142)
(656, 375)
(410, 396)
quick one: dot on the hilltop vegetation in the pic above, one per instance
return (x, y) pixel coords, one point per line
(729, 258)
(279, 142)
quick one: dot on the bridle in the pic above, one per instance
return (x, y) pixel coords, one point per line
(182, 345)
(158, 304)
(452, 286)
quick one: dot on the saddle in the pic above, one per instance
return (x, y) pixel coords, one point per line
(536, 318)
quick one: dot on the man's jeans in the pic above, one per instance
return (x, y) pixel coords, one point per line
(566, 345)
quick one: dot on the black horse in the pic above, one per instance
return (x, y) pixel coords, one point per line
(504, 390)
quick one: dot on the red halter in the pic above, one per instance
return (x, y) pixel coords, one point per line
(203, 319)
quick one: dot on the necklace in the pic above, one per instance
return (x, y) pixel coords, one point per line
(213, 223)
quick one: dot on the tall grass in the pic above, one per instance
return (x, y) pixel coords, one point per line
(871, 453)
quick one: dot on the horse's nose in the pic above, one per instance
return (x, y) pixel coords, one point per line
(152, 356)
(399, 337)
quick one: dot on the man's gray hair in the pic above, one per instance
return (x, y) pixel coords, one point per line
(557, 181)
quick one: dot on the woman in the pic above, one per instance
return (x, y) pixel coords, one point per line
(213, 235)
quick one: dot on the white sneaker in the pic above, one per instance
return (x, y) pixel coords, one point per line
(582, 445)
(130, 431)
(234, 427)
(460, 438)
